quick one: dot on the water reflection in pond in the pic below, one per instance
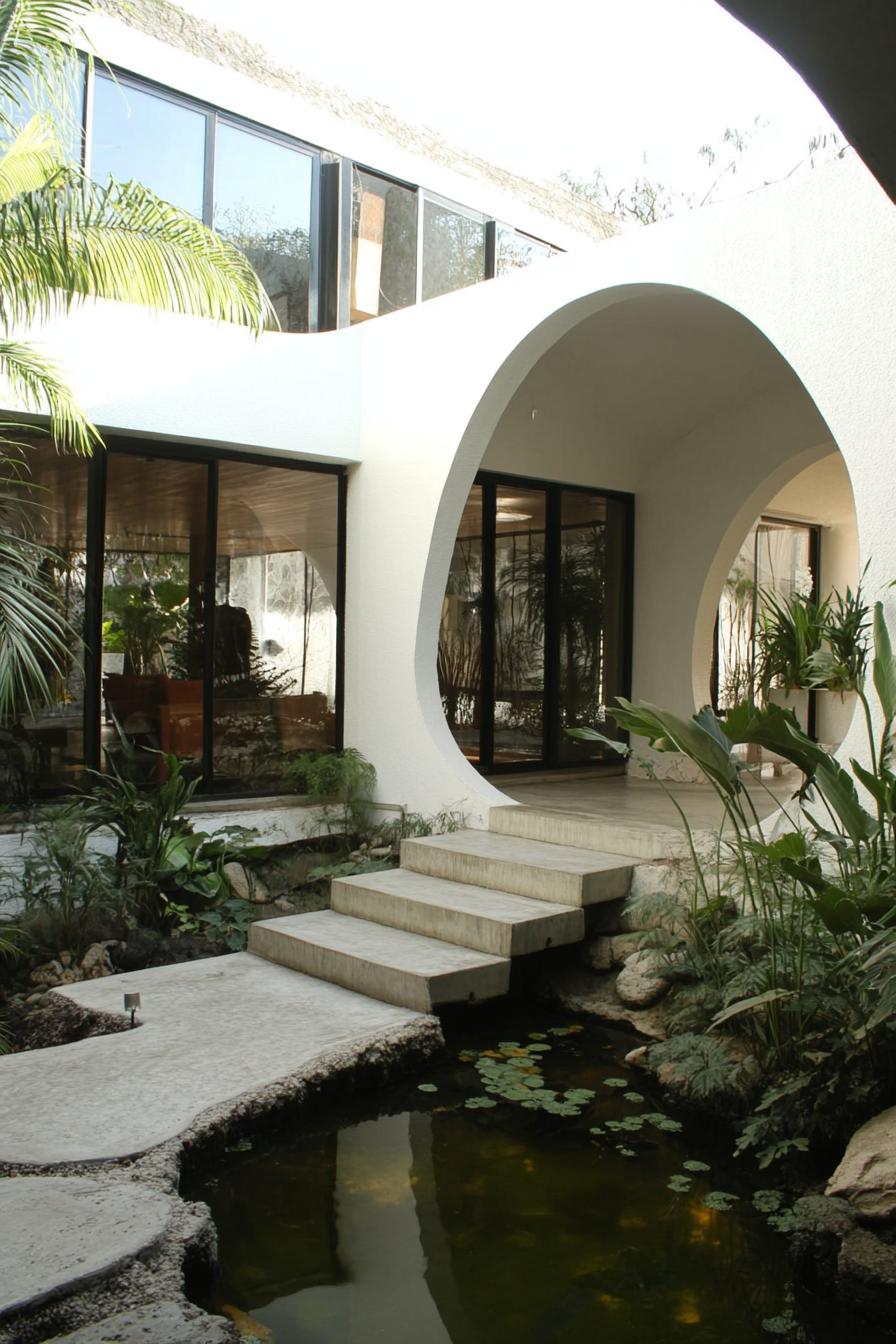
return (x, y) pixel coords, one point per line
(421, 1220)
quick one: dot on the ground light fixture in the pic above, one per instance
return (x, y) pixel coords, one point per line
(131, 1004)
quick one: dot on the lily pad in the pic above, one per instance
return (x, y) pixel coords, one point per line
(615, 1082)
(479, 1103)
(536, 1036)
(693, 1165)
(634, 1097)
(625, 1152)
(720, 1200)
(427, 1087)
(767, 1201)
(680, 1185)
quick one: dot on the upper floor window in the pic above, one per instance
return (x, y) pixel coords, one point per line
(384, 246)
(254, 188)
(514, 250)
(140, 136)
(453, 249)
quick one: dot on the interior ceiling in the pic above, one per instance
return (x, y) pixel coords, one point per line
(660, 365)
(155, 504)
(846, 53)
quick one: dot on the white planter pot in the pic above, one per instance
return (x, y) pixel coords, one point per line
(798, 701)
(833, 716)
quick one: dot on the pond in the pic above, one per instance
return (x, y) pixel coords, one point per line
(533, 1191)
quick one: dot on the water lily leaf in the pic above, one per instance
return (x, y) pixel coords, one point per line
(693, 1165)
(767, 1201)
(615, 1082)
(241, 1146)
(597, 1129)
(634, 1097)
(538, 1049)
(427, 1087)
(720, 1200)
(536, 1036)
(508, 1045)
(625, 1152)
(579, 1095)
(679, 1184)
(479, 1103)
(534, 1080)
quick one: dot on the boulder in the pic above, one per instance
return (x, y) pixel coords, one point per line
(139, 950)
(245, 885)
(596, 954)
(95, 962)
(640, 983)
(866, 1176)
(49, 974)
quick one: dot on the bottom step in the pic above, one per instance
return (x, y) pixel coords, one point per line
(383, 963)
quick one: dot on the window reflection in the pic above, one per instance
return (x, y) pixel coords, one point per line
(460, 635)
(143, 137)
(42, 745)
(453, 250)
(275, 621)
(514, 251)
(384, 246)
(263, 206)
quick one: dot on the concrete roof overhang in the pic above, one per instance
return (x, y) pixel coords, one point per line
(846, 53)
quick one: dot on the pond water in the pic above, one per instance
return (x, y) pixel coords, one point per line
(414, 1217)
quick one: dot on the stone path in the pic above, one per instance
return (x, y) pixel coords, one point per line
(210, 1031)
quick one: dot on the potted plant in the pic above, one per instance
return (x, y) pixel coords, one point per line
(804, 646)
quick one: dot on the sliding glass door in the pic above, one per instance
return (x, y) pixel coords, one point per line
(535, 623)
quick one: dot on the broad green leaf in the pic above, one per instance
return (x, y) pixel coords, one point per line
(838, 911)
(749, 1005)
(884, 665)
(839, 792)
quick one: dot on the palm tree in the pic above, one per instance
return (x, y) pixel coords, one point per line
(64, 239)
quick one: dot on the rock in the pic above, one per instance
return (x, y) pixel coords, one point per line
(49, 974)
(72, 975)
(581, 991)
(597, 954)
(95, 962)
(167, 1322)
(637, 1058)
(245, 885)
(867, 1274)
(67, 958)
(380, 852)
(138, 951)
(286, 906)
(623, 946)
(866, 1176)
(37, 996)
(640, 983)
(816, 1239)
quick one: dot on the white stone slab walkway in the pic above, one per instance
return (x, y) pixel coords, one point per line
(211, 1031)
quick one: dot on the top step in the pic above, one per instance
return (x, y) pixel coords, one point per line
(584, 830)
(547, 872)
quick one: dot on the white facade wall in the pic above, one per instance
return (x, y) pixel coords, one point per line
(420, 399)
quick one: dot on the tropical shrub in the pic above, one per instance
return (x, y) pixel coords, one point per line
(67, 891)
(341, 782)
(790, 942)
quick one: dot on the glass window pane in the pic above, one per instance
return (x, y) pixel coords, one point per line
(42, 746)
(63, 104)
(515, 250)
(263, 205)
(141, 136)
(590, 618)
(453, 250)
(520, 589)
(384, 246)
(275, 621)
(460, 636)
(153, 611)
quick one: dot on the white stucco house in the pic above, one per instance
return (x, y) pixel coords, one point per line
(394, 505)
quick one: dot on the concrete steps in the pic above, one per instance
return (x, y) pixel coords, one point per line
(497, 922)
(561, 873)
(580, 830)
(384, 963)
(443, 927)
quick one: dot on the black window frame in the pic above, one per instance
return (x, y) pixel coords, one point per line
(491, 481)
(215, 116)
(210, 457)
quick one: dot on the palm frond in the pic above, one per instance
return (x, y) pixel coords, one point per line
(32, 629)
(37, 384)
(31, 161)
(78, 239)
(35, 47)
